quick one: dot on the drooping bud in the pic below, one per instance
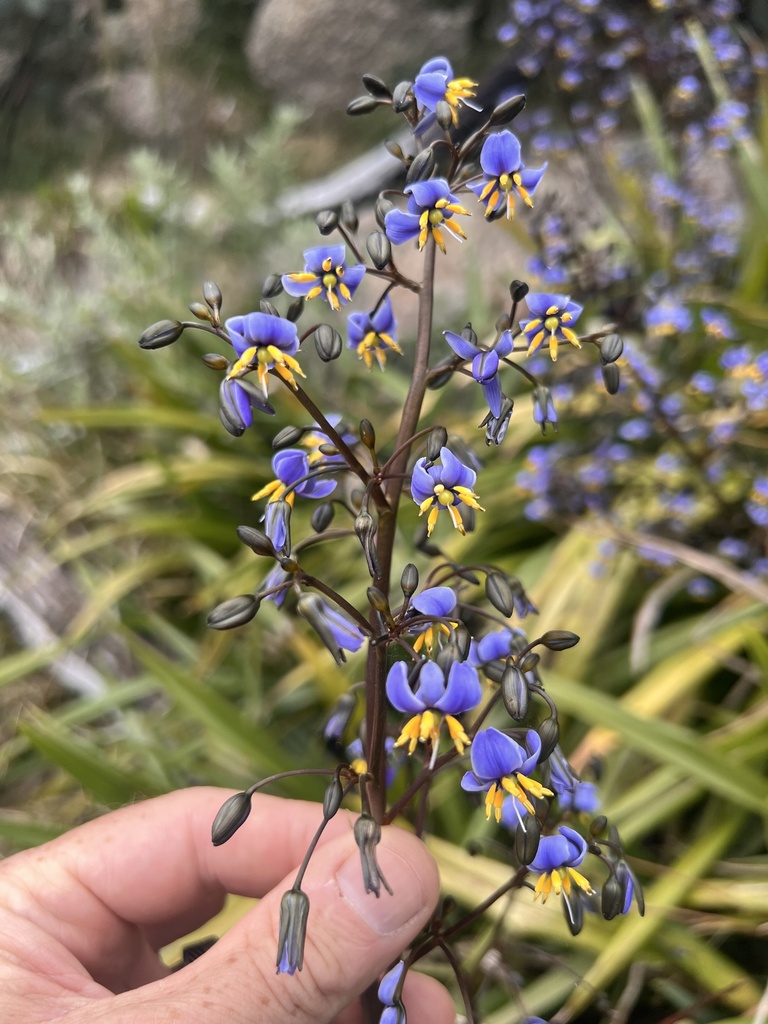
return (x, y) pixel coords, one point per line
(422, 542)
(395, 149)
(368, 836)
(268, 307)
(499, 593)
(573, 909)
(437, 439)
(234, 612)
(383, 206)
(496, 426)
(327, 221)
(506, 111)
(468, 518)
(212, 295)
(527, 838)
(163, 333)
(543, 408)
(334, 793)
(559, 639)
(232, 814)
(611, 348)
(377, 599)
(611, 378)
(326, 448)
(328, 343)
(611, 898)
(438, 380)
(402, 97)
(469, 334)
(444, 115)
(379, 249)
(273, 286)
(409, 580)
(518, 290)
(367, 434)
(215, 361)
(348, 217)
(374, 85)
(288, 563)
(549, 734)
(294, 911)
(362, 105)
(279, 520)
(365, 528)
(514, 692)
(287, 437)
(257, 541)
(295, 310)
(201, 311)
(421, 166)
(322, 517)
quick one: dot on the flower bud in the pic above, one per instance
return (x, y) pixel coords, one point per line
(279, 523)
(549, 734)
(267, 307)
(294, 911)
(468, 518)
(348, 217)
(529, 662)
(376, 87)
(527, 838)
(379, 249)
(257, 541)
(444, 115)
(611, 898)
(365, 528)
(499, 593)
(514, 692)
(518, 290)
(232, 814)
(212, 295)
(328, 343)
(289, 564)
(362, 105)
(611, 378)
(496, 426)
(215, 361)
(421, 166)
(469, 334)
(462, 638)
(402, 97)
(163, 333)
(573, 909)
(334, 793)
(287, 437)
(503, 323)
(326, 448)
(327, 221)
(409, 580)
(383, 206)
(439, 380)
(506, 111)
(367, 434)
(543, 408)
(436, 441)
(273, 286)
(559, 639)
(295, 310)
(597, 825)
(368, 836)
(234, 612)
(611, 348)
(201, 311)
(322, 517)
(377, 599)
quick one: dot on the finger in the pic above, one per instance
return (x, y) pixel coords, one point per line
(351, 938)
(123, 885)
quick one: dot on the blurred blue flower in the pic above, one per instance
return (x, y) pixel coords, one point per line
(374, 334)
(325, 273)
(551, 320)
(504, 175)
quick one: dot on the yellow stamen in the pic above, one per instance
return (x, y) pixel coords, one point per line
(494, 799)
(314, 292)
(427, 503)
(410, 733)
(516, 790)
(468, 497)
(303, 278)
(457, 733)
(533, 787)
(455, 515)
(487, 189)
(274, 487)
(432, 519)
(581, 881)
(455, 230)
(439, 239)
(543, 887)
(536, 342)
(569, 335)
(345, 292)
(359, 765)
(456, 208)
(327, 264)
(551, 311)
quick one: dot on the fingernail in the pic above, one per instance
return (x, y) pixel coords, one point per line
(388, 913)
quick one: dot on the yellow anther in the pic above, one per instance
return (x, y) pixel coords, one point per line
(457, 733)
(533, 787)
(552, 310)
(275, 488)
(427, 503)
(314, 292)
(455, 515)
(327, 264)
(432, 519)
(410, 733)
(439, 240)
(345, 292)
(303, 278)
(340, 270)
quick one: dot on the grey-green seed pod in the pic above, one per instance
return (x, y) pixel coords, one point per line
(163, 333)
(421, 166)
(506, 111)
(409, 580)
(527, 838)
(499, 593)
(334, 793)
(215, 361)
(611, 378)
(402, 97)
(272, 286)
(514, 692)
(518, 290)
(322, 517)
(383, 206)
(437, 439)
(232, 814)
(327, 221)
(611, 898)
(549, 733)
(444, 115)
(257, 541)
(328, 343)
(379, 249)
(559, 639)
(201, 311)
(267, 307)
(287, 437)
(374, 85)
(611, 348)
(212, 295)
(348, 217)
(295, 310)
(362, 105)
(233, 613)
(294, 911)
(367, 434)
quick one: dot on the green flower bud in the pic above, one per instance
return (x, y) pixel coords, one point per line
(232, 814)
(163, 333)
(234, 612)
(376, 87)
(559, 639)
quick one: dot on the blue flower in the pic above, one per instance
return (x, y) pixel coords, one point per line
(485, 364)
(390, 991)
(572, 793)
(668, 317)
(436, 601)
(289, 466)
(500, 765)
(435, 82)
(551, 316)
(263, 343)
(505, 175)
(358, 763)
(442, 487)
(431, 206)
(717, 325)
(557, 858)
(325, 273)
(346, 633)
(437, 694)
(374, 334)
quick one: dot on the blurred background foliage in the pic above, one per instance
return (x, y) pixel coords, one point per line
(149, 144)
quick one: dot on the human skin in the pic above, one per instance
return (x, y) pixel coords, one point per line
(82, 919)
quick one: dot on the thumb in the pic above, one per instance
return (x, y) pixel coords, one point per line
(351, 938)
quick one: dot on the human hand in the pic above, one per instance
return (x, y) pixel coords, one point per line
(82, 919)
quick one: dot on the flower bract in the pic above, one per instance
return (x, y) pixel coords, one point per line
(325, 273)
(263, 343)
(374, 334)
(504, 175)
(551, 320)
(431, 207)
(443, 487)
(500, 765)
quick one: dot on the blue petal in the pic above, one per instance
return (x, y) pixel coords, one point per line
(574, 309)
(297, 288)
(390, 982)
(501, 154)
(345, 632)
(401, 227)
(274, 526)
(494, 645)
(539, 302)
(290, 464)
(494, 755)
(358, 325)
(485, 365)
(383, 320)
(315, 257)
(422, 482)
(426, 193)
(352, 278)
(318, 487)
(463, 691)
(504, 345)
(435, 601)
(533, 744)
(439, 64)
(493, 395)
(460, 345)
(454, 473)
(431, 685)
(430, 88)
(531, 177)
(399, 693)
(472, 784)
